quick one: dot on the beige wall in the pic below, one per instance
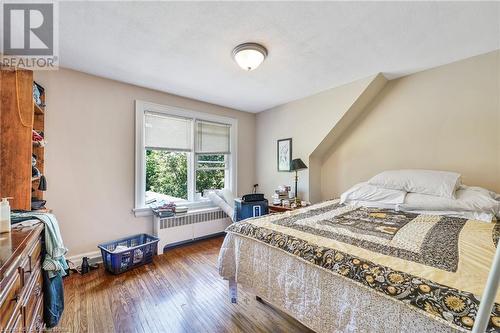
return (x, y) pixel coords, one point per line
(444, 118)
(307, 121)
(447, 118)
(90, 154)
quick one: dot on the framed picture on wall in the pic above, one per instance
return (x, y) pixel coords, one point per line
(284, 154)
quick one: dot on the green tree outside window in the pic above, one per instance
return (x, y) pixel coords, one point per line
(167, 172)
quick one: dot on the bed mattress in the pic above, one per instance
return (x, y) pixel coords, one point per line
(344, 268)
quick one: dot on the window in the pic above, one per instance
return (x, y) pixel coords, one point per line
(180, 154)
(212, 155)
(211, 172)
(166, 175)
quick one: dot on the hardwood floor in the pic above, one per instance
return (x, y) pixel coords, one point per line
(180, 292)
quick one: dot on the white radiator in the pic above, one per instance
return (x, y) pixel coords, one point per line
(191, 226)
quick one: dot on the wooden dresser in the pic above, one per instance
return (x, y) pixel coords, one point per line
(21, 295)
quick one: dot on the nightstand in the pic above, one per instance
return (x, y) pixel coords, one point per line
(279, 209)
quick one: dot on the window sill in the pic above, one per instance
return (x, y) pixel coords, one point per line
(144, 211)
(196, 205)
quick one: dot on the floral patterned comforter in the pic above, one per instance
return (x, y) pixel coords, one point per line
(438, 265)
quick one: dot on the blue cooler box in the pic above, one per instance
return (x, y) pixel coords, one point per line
(246, 209)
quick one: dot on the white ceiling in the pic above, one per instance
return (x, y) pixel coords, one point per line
(185, 47)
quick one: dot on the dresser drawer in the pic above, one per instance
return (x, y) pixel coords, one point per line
(17, 324)
(31, 260)
(10, 301)
(37, 324)
(33, 297)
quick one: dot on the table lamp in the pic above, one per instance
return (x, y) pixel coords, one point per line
(297, 165)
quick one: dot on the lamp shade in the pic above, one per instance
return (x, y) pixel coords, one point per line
(297, 164)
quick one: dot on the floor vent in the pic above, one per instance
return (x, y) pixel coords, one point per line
(191, 218)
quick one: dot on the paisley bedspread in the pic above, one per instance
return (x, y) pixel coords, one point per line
(435, 265)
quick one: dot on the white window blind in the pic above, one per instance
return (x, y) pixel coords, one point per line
(212, 138)
(167, 132)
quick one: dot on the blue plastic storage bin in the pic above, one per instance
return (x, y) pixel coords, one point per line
(140, 250)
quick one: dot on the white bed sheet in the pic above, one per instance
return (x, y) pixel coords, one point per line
(319, 299)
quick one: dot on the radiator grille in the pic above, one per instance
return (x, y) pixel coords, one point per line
(177, 221)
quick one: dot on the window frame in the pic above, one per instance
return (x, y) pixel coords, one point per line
(226, 168)
(140, 208)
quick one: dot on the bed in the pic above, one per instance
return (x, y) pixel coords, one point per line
(343, 267)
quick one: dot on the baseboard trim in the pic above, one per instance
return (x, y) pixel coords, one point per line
(94, 257)
(189, 241)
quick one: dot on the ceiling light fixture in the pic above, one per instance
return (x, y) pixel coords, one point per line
(249, 56)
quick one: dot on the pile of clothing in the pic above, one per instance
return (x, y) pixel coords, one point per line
(54, 263)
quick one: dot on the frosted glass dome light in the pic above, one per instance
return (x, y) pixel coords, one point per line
(249, 56)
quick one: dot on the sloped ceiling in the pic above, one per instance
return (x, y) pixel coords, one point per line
(185, 47)
(376, 84)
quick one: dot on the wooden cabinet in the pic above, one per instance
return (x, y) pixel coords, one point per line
(21, 138)
(21, 290)
(19, 118)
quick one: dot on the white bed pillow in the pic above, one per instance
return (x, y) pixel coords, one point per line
(432, 182)
(471, 202)
(484, 191)
(366, 192)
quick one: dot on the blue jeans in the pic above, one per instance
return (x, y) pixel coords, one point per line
(53, 299)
